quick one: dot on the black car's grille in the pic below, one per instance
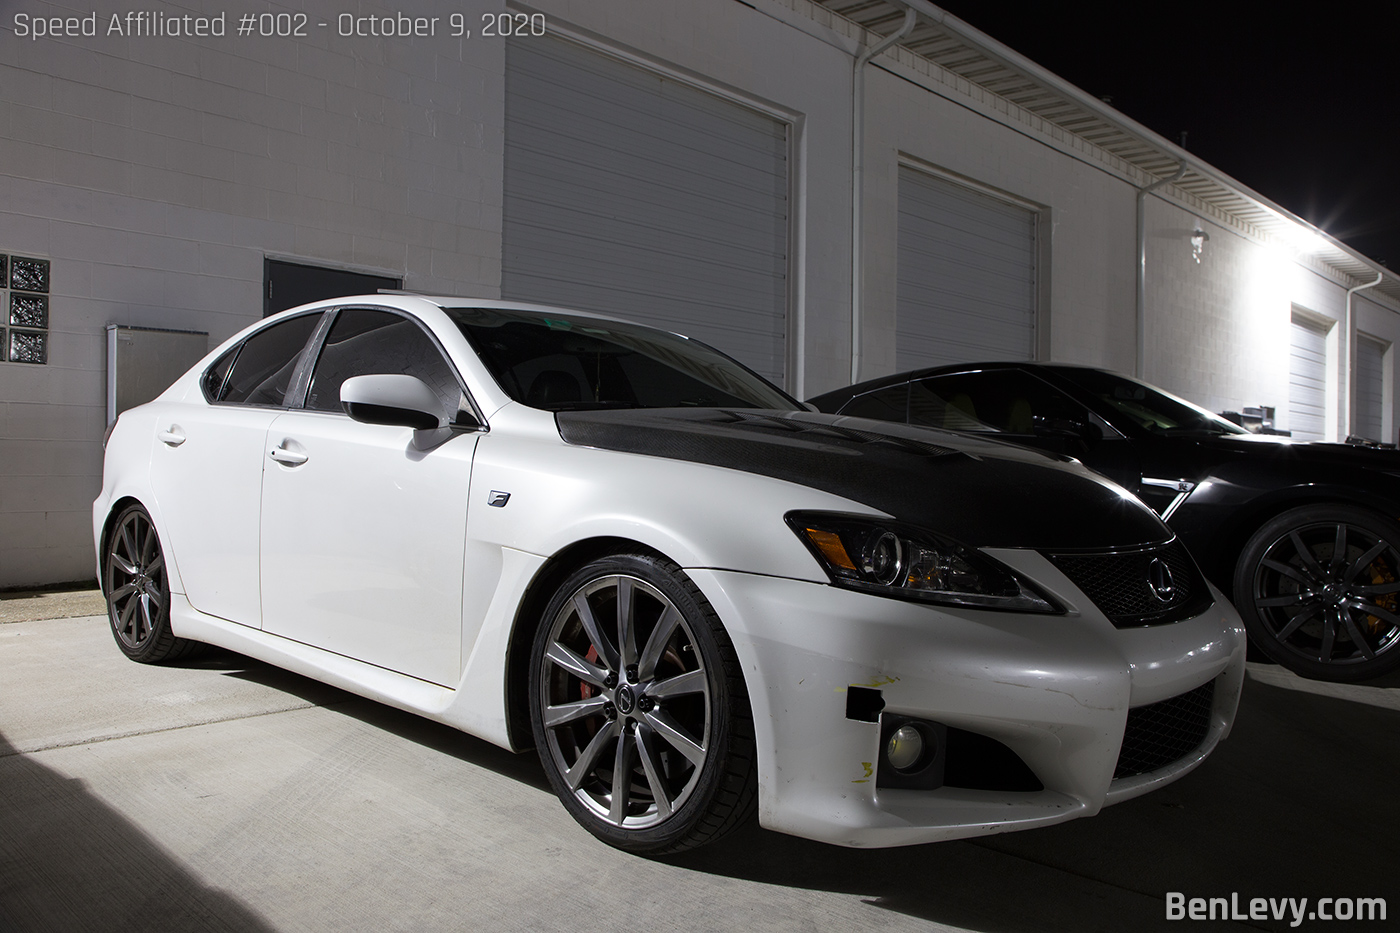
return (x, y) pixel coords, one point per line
(1131, 591)
(1161, 733)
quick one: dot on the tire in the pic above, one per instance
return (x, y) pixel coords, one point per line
(1319, 590)
(666, 707)
(138, 591)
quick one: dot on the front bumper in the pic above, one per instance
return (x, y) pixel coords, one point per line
(1056, 690)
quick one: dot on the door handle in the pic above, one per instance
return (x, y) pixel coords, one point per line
(172, 438)
(289, 457)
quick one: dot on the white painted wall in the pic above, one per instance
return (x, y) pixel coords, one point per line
(156, 172)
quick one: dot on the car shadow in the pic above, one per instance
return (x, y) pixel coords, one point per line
(522, 767)
(69, 862)
(1296, 803)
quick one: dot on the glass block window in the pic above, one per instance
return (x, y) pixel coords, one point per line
(30, 275)
(28, 310)
(24, 309)
(29, 346)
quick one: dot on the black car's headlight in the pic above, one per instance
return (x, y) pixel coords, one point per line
(905, 562)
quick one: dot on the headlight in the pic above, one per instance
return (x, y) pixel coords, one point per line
(894, 559)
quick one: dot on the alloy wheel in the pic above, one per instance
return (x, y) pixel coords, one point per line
(1329, 593)
(137, 595)
(625, 702)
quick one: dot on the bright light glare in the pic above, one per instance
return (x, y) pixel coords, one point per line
(1304, 241)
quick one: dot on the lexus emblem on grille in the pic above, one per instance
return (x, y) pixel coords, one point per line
(1159, 580)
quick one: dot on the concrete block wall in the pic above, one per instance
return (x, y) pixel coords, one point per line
(157, 172)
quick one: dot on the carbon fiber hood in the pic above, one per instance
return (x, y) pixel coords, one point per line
(979, 492)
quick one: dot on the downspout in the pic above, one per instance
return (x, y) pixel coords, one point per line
(1140, 368)
(858, 182)
(1346, 350)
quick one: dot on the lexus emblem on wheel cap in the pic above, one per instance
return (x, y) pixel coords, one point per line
(1160, 581)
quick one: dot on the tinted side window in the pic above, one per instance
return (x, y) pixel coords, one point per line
(214, 376)
(363, 342)
(887, 404)
(263, 369)
(992, 401)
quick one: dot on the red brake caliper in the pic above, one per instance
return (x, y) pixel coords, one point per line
(585, 689)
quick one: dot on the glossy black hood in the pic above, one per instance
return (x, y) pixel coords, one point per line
(982, 493)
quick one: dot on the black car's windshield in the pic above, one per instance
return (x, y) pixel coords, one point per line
(561, 362)
(1145, 406)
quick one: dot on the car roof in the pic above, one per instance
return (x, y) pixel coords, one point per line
(872, 385)
(403, 299)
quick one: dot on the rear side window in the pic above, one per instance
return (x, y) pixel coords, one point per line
(365, 342)
(888, 404)
(989, 401)
(262, 367)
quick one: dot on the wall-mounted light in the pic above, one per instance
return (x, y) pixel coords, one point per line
(1198, 243)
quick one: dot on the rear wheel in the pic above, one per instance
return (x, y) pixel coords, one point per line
(639, 709)
(138, 594)
(1319, 590)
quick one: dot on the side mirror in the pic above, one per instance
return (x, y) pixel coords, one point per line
(394, 399)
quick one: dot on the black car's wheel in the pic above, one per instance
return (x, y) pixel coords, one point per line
(138, 596)
(1319, 590)
(639, 709)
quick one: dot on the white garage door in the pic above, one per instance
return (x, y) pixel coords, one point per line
(1370, 382)
(629, 193)
(1307, 381)
(966, 288)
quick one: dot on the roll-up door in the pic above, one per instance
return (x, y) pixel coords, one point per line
(967, 276)
(1307, 381)
(1370, 383)
(636, 195)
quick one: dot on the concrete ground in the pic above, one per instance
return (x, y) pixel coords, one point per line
(227, 795)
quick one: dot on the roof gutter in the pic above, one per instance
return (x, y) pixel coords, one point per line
(1348, 335)
(1140, 366)
(858, 184)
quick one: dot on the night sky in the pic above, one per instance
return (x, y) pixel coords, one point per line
(1300, 107)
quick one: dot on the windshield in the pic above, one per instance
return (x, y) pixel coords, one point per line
(561, 362)
(1145, 406)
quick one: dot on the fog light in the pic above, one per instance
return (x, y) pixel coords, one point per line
(905, 748)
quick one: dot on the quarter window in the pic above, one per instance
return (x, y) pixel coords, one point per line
(365, 342)
(263, 366)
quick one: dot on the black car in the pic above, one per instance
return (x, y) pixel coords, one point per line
(1303, 535)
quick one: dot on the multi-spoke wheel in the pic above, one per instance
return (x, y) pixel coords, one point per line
(639, 708)
(138, 598)
(1319, 590)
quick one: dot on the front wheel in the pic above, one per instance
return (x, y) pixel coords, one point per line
(639, 709)
(138, 592)
(1319, 590)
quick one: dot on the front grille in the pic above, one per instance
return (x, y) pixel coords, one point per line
(1161, 733)
(1121, 584)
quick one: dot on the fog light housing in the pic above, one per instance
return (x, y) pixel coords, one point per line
(912, 753)
(905, 748)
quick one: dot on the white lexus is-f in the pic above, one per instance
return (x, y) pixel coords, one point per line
(695, 597)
